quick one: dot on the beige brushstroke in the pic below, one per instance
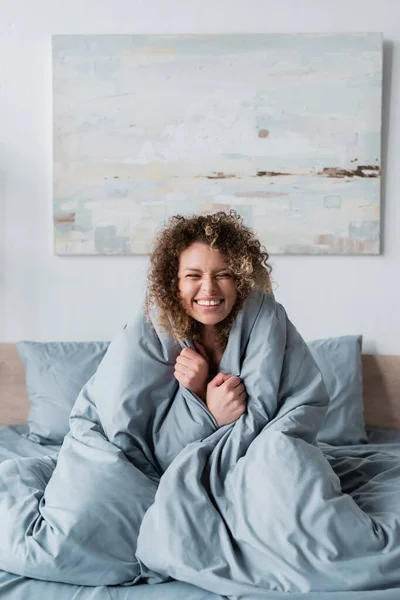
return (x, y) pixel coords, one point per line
(64, 218)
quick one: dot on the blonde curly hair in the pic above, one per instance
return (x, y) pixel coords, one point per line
(225, 232)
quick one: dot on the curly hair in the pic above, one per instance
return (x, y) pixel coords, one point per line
(225, 232)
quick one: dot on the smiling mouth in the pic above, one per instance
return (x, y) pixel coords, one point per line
(209, 303)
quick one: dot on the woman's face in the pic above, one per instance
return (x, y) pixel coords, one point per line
(206, 284)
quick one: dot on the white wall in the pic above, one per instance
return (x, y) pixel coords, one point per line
(44, 297)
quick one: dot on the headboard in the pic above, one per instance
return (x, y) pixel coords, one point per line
(14, 403)
(381, 389)
(381, 384)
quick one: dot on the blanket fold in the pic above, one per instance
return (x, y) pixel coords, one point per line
(147, 487)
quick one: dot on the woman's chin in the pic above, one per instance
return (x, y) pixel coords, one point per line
(208, 319)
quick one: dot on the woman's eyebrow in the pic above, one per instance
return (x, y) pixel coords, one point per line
(200, 271)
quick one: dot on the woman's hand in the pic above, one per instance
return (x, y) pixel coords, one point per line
(191, 370)
(226, 398)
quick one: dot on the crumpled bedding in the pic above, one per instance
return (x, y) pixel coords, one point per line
(146, 487)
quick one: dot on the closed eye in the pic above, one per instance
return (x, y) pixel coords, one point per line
(218, 276)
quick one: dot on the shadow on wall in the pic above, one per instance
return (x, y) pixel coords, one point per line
(386, 94)
(2, 252)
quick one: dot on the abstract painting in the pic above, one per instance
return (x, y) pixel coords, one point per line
(283, 128)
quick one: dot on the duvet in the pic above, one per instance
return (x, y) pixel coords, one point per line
(146, 487)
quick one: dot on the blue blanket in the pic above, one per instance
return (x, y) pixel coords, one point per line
(147, 487)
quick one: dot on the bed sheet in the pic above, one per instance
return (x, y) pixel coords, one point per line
(13, 443)
(383, 436)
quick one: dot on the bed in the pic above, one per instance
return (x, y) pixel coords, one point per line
(381, 385)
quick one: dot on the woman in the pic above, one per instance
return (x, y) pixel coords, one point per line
(202, 269)
(157, 480)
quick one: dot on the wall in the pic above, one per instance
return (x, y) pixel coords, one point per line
(44, 297)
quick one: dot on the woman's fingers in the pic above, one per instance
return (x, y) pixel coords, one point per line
(218, 380)
(181, 376)
(189, 353)
(188, 359)
(242, 397)
(182, 369)
(178, 376)
(232, 383)
(182, 360)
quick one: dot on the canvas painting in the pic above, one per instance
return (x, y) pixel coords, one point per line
(284, 128)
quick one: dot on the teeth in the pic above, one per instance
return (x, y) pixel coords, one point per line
(208, 302)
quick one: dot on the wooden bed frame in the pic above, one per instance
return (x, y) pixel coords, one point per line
(381, 389)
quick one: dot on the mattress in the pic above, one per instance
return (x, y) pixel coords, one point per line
(14, 444)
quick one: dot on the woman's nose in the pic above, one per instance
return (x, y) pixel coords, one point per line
(208, 285)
